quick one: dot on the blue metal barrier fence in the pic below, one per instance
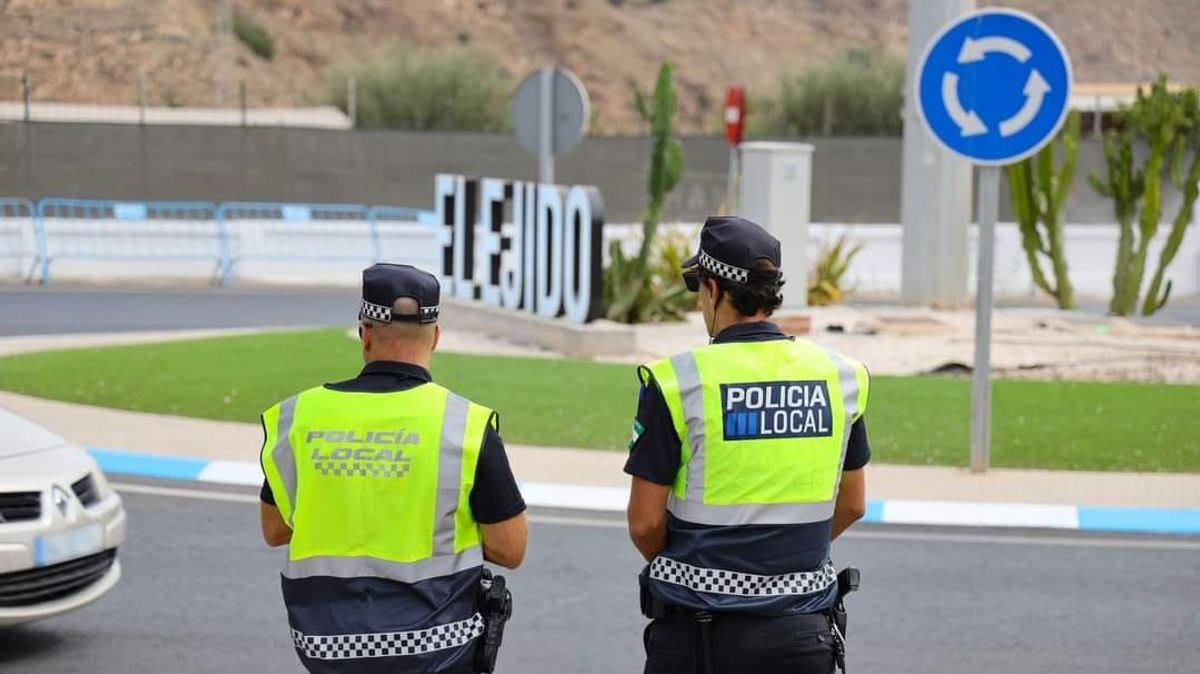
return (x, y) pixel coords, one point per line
(309, 232)
(18, 231)
(223, 235)
(151, 231)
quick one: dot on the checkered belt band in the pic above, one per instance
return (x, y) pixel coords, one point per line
(725, 271)
(718, 581)
(388, 644)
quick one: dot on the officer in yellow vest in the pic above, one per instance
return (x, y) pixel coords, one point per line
(390, 492)
(747, 458)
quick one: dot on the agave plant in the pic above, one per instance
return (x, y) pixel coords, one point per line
(825, 282)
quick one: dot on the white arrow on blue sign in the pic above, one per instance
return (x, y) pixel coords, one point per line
(993, 86)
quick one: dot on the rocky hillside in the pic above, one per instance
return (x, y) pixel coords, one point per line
(94, 50)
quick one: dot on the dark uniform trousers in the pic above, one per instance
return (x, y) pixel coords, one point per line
(798, 644)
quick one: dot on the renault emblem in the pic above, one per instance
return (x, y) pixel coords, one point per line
(60, 498)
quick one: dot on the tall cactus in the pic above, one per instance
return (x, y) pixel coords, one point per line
(666, 154)
(629, 291)
(1039, 193)
(1189, 185)
(1168, 123)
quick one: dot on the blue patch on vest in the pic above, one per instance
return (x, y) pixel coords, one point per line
(776, 409)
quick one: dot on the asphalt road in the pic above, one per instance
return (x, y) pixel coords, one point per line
(36, 311)
(200, 594)
(48, 311)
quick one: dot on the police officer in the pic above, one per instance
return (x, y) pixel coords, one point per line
(390, 492)
(747, 459)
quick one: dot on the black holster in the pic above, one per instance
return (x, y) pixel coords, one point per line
(652, 607)
(495, 605)
(847, 582)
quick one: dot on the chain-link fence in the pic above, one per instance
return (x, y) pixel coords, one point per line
(21, 100)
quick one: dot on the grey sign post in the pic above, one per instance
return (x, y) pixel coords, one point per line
(550, 112)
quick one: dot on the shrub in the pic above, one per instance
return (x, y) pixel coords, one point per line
(860, 93)
(453, 89)
(825, 281)
(253, 35)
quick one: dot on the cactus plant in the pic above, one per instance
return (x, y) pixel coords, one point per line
(1189, 185)
(629, 288)
(1039, 193)
(1169, 124)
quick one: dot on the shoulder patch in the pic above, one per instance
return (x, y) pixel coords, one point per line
(636, 433)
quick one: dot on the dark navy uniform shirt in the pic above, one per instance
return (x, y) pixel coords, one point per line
(655, 455)
(495, 496)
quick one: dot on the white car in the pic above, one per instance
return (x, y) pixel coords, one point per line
(60, 525)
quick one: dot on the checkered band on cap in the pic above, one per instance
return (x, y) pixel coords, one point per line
(719, 581)
(725, 271)
(376, 312)
(388, 644)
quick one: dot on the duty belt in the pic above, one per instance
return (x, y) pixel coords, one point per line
(720, 581)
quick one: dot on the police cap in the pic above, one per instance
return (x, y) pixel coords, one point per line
(729, 247)
(383, 284)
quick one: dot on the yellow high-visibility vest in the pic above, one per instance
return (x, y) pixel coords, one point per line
(764, 428)
(377, 486)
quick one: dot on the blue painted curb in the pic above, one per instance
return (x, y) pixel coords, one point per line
(148, 465)
(1172, 521)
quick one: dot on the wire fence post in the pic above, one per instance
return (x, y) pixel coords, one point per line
(242, 98)
(25, 92)
(141, 97)
(352, 100)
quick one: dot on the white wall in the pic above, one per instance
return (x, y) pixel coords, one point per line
(1090, 252)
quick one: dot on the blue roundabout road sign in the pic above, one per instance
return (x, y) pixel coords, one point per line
(994, 86)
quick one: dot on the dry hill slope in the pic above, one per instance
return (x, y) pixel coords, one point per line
(92, 50)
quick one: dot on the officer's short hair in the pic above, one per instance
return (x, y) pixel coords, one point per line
(402, 329)
(760, 292)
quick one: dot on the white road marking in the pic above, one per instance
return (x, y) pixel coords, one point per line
(860, 534)
(152, 490)
(577, 521)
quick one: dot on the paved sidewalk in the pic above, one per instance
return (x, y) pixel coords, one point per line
(229, 441)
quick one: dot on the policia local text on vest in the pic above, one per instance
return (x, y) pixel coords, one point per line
(390, 492)
(746, 459)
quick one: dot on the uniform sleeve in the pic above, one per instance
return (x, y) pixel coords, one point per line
(495, 496)
(858, 449)
(654, 447)
(265, 494)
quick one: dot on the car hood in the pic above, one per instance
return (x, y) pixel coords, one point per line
(19, 435)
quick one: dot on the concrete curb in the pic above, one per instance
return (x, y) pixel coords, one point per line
(1176, 521)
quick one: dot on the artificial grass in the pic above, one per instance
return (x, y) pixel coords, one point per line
(915, 420)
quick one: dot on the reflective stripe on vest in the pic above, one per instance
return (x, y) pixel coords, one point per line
(283, 458)
(388, 644)
(719, 581)
(679, 378)
(381, 442)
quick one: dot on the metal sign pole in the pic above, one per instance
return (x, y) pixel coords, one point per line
(981, 378)
(731, 184)
(546, 132)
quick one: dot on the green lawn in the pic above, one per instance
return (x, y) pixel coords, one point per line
(922, 420)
